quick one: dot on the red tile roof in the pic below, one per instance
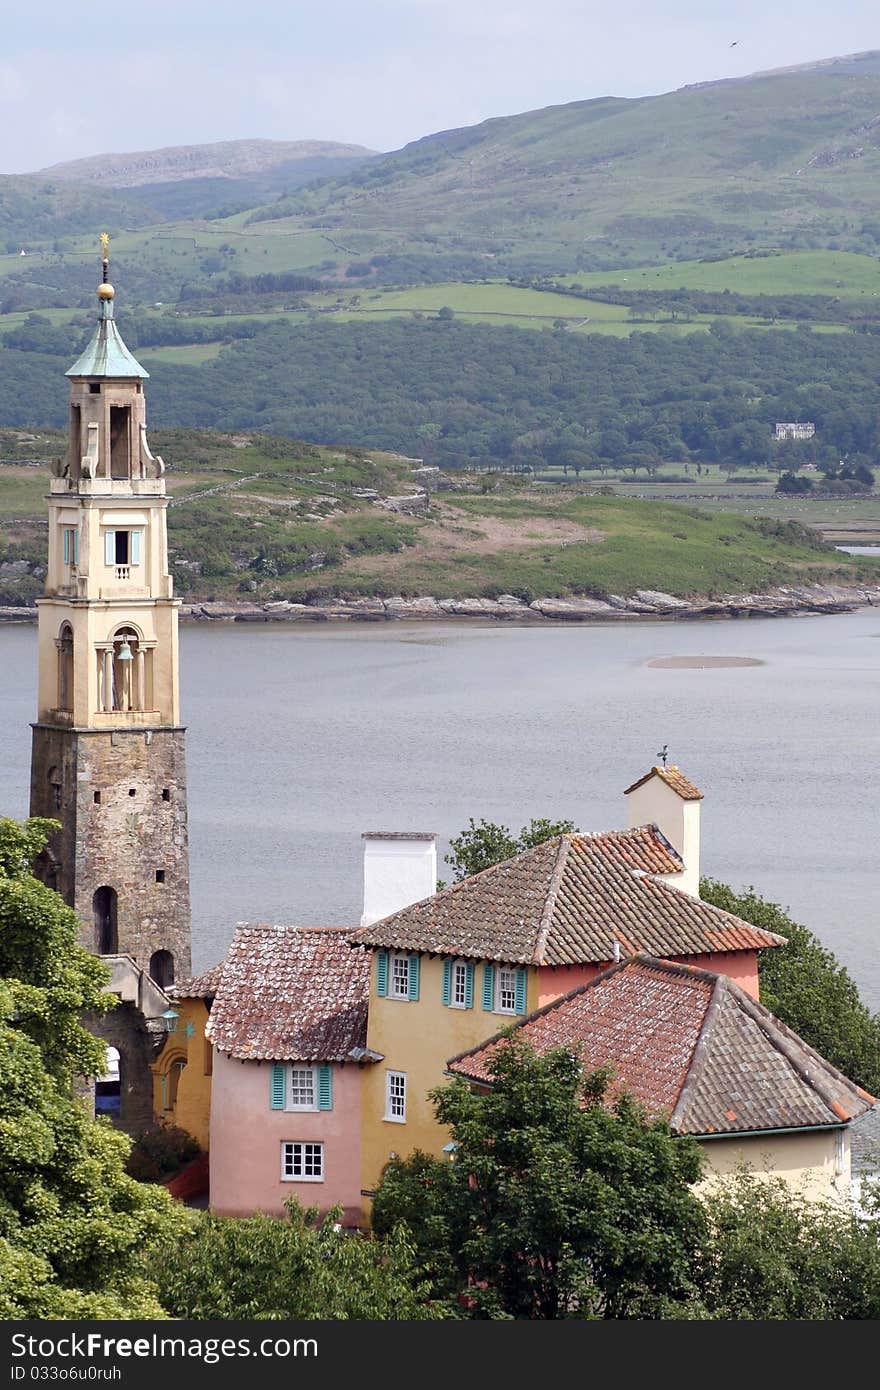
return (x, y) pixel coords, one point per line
(674, 778)
(291, 994)
(567, 902)
(202, 986)
(689, 1044)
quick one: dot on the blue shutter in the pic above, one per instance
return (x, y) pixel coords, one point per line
(488, 988)
(382, 974)
(135, 547)
(521, 981)
(75, 538)
(469, 985)
(413, 977)
(109, 547)
(447, 982)
(277, 1085)
(325, 1087)
(65, 547)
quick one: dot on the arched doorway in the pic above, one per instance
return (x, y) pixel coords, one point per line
(162, 968)
(104, 904)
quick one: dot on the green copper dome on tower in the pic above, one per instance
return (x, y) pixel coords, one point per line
(106, 354)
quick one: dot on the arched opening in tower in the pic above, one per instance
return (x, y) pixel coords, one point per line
(104, 904)
(162, 968)
(108, 1087)
(65, 668)
(120, 441)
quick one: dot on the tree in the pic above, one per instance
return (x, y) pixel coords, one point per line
(561, 1201)
(805, 986)
(72, 1223)
(484, 844)
(300, 1268)
(772, 1254)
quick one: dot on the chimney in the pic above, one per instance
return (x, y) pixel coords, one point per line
(664, 797)
(400, 868)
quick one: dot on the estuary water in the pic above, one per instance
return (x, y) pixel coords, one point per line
(301, 738)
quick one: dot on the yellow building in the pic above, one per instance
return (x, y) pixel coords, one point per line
(456, 967)
(182, 1072)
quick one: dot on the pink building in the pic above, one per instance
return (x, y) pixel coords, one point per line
(289, 1028)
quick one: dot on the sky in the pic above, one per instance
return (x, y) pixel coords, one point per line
(78, 80)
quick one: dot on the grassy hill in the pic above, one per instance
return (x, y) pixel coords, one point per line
(262, 519)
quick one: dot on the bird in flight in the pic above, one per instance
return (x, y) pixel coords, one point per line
(735, 43)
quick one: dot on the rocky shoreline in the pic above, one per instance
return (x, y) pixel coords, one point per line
(644, 604)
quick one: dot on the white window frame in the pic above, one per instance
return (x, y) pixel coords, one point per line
(302, 1145)
(393, 959)
(289, 1103)
(459, 970)
(501, 971)
(392, 1098)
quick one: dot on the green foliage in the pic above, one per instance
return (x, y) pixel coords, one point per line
(773, 1254)
(805, 986)
(159, 1151)
(71, 1221)
(560, 1202)
(300, 1268)
(485, 843)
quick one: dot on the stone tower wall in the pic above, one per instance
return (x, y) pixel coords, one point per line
(122, 840)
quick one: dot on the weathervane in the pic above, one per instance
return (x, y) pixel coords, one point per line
(105, 254)
(664, 753)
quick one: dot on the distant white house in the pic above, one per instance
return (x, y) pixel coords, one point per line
(795, 430)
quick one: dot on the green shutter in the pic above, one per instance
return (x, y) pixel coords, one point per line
(447, 982)
(521, 981)
(325, 1087)
(75, 538)
(109, 547)
(469, 985)
(382, 974)
(135, 547)
(413, 977)
(65, 547)
(488, 988)
(277, 1080)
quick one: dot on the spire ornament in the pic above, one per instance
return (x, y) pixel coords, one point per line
(106, 292)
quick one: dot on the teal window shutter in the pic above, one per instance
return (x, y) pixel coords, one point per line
(488, 988)
(469, 985)
(135, 547)
(382, 974)
(65, 545)
(277, 1080)
(74, 536)
(413, 977)
(447, 982)
(521, 981)
(325, 1087)
(109, 547)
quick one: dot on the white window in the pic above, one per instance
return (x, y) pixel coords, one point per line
(459, 985)
(302, 1162)
(301, 1093)
(505, 992)
(395, 1096)
(399, 977)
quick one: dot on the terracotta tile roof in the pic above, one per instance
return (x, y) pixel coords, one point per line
(202, 986)
(691, 1045)
(291, 994)
(674, 778)
(566, 902)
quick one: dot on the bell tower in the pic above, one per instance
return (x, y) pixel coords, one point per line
(108, 747)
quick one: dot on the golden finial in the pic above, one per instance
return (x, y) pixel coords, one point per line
(105, 290)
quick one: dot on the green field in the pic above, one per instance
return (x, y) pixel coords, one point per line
(795, 272)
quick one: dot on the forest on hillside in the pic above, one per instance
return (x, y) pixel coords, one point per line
(471, 395)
